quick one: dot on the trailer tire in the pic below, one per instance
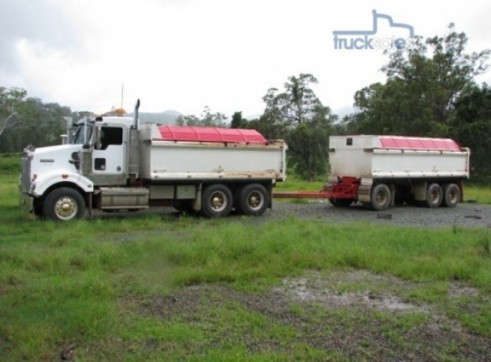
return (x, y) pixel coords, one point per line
(380, 197)
(254, 199)
(434, 195)
(451, 195)
(217, 201)
(64, 204)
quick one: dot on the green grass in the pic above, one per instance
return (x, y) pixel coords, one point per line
(481, 194)
(98, 283)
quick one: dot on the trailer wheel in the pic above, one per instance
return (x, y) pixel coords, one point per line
(254, 199)
(380, 197)
(217, 201)
(64, 204)
(434, 195)
(451, 195)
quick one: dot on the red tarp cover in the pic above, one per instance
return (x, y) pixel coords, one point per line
(211, 134)
(419, 143)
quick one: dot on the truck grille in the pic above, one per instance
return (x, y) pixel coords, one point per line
(25, 179)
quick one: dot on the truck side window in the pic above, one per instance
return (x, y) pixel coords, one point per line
(111, 136)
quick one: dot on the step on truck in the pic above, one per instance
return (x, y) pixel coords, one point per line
(116, 163)
(380, 171)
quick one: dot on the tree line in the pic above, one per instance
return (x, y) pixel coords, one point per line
(430, 90)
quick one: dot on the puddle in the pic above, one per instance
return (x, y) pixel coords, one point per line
(321, 290)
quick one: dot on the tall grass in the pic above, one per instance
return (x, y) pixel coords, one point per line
(62, 283)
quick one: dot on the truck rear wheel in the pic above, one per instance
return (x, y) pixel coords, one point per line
(254, 199)
(451, 195)
(64, 204)
(434, 195)
(217, 201)
(380, 197)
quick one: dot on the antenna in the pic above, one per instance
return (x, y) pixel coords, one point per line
(122, 94)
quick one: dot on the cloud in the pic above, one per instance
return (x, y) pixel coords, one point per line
(188, 54)
(34, 20)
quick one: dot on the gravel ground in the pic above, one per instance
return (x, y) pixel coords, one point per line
(464, 215)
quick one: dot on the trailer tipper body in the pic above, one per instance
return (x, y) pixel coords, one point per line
(114, 163)
(380, 171)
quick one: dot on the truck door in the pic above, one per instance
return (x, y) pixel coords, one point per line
(109, 157)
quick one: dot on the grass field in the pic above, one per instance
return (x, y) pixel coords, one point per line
(163, 287)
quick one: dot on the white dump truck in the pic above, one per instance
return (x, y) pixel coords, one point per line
(380, 171)
(115, 163)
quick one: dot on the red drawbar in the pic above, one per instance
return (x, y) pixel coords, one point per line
(419, 143)
(211, 134)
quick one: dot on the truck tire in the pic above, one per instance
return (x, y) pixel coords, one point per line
(217, 201)
(64, 204)
(380, 197)
(254, 199)
(451, 195)
(434, 195)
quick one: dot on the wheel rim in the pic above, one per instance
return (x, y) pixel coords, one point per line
(255, 200)
(435, 195)
(218, 201)
(66, 208)
(453, 195)
(381, 198)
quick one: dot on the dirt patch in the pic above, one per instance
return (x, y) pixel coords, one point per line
(345, 315)
(373, 291)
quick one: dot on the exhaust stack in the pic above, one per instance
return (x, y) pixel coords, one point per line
(135, 114)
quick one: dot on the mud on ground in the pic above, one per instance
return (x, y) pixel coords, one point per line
(346, 315)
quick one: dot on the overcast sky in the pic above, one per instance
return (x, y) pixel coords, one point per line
(224, 54)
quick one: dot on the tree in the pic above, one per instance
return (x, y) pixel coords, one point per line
(33, 122)
(207, 119)
(424, 81)
(297, 115)
(297, 104)
(473, 128)
(210, 119)
(9, 100)
(308, 144)
(238, 121)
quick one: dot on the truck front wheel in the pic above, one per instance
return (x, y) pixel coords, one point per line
(217, 201)
(64, 204)
(380, 197)
(254, 199)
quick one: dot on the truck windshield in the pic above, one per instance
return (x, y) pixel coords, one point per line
(82, 133)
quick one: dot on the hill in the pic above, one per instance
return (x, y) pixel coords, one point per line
(167, 117)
